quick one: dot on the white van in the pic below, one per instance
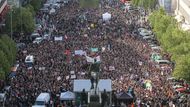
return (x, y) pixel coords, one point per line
(163, 61)
(29, 60)
(42, 100)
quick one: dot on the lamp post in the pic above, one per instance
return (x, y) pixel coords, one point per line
(20, 6)
(11, 20)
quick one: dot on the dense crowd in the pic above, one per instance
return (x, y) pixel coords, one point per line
(119, 47)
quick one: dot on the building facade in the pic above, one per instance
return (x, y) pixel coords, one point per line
(168, 5)
(183, 9)
(3, 9)
(180, 9)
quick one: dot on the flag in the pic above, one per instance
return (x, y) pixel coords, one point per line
(67, 52)
(94, 49)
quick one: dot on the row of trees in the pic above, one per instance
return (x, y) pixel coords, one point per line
(89, 3)
(173, 40)
(22, 22)
(23, 18)
(146, 4)
(7, 55)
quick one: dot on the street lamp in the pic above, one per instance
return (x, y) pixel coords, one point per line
(11, 20)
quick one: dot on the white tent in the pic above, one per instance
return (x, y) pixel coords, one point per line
(79, 85)
(67, 96)
(106, 16)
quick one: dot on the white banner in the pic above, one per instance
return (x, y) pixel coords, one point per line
(92, 60)
(80, 52)
(67, 77)
(72, 72)
(73, 76)
(58, 38)
(111, 68)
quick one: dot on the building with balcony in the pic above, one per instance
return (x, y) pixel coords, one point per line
(180, 9)
(3, 10)
(182, 13)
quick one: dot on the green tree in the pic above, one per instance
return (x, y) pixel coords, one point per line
(31, 9)
(89, 3)
(6, 51)
(146, 4)
(22, 18)
(182, 67)
(11, 47)
(2, 74)
(36, 4)
(4, 64)
(7, 55)
(28, 21)
(174, 41)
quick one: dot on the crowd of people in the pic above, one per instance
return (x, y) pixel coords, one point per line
(125, 58)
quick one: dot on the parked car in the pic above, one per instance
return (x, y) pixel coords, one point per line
(46, 36)
(45, 10)
(38, 40)
(148, 37)
(163, 61)
(34, 35)
(144, 32)
(29, 60)
(20, 46)
(38, 27)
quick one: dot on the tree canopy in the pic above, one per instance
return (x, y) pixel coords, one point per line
(173, 40)
(22, 20)
(36, 4)
(146, 4)
(7, 55)
(89, 3)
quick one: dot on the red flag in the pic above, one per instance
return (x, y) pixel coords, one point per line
(67, 52)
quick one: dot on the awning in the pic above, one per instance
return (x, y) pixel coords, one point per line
(124, 96)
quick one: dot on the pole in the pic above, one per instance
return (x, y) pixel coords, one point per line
(20, 15)
(11, 22)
